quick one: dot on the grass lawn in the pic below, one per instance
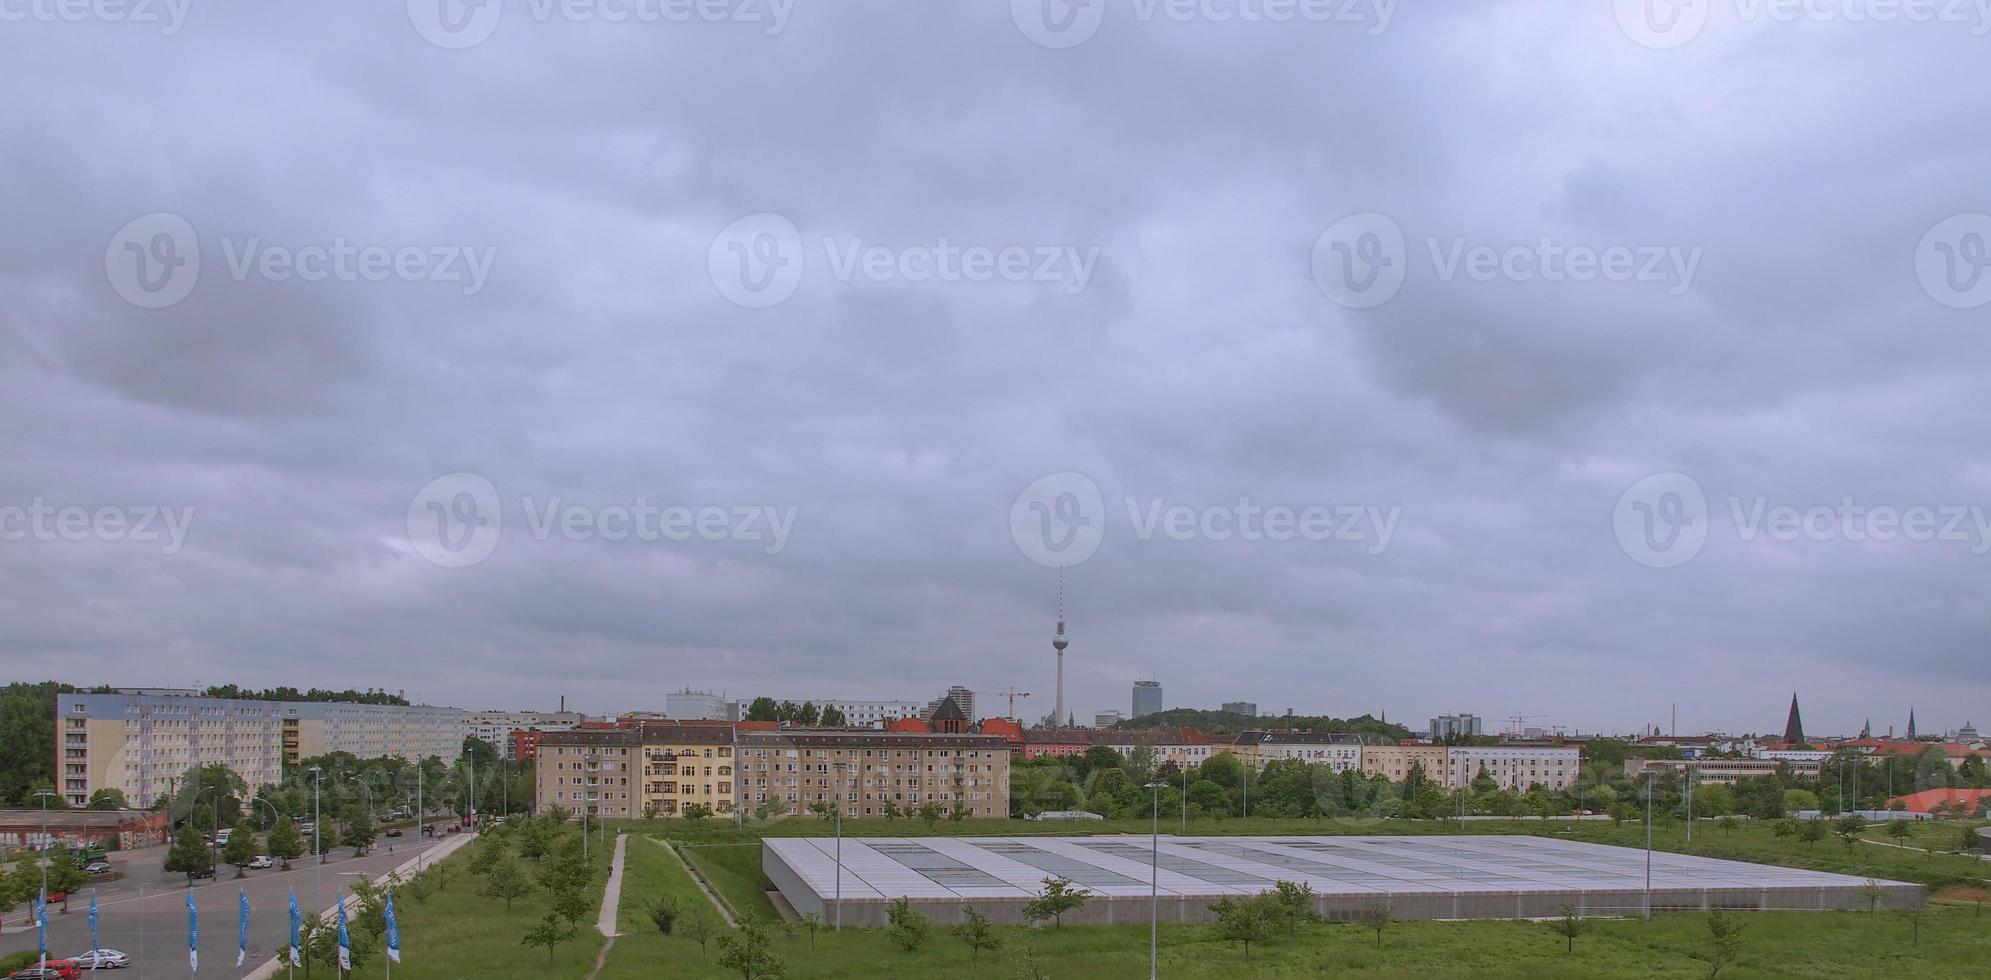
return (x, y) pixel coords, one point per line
(1954, 942)
(733, 869)
(459, 933)
(650, 873)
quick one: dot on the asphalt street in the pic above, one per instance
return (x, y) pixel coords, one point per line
(145, 914)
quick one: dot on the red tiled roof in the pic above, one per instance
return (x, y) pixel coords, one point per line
(1926, 800)
(909, 725)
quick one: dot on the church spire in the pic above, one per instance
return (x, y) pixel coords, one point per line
(1794, 725)
(1911, 724)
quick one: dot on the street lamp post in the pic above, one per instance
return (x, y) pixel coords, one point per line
(44, 794)
(1648, 843)
(317, 844)
(842, 770)
(1154, 877)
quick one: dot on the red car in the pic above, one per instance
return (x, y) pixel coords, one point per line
(57, 970)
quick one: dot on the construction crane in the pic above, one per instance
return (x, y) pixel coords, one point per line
(1520, 723)
(1012, 694)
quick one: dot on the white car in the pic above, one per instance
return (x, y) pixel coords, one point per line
(102, 959)
(221, 838)
(262, 861)
(98, 867)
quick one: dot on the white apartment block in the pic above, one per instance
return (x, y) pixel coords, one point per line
(1512, 766)
(496, 727)
(143, 744)
(702, 706)
(1341, 753)
(860, 714)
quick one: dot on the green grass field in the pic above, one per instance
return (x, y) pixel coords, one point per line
(733, 870)
(459, 933)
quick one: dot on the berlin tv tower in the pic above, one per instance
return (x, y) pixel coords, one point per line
(1059, 643)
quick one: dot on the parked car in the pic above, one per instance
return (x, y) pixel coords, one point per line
(261, 861)
(392, 832)
(201, 873)
(102, 959)
(56, 970)
(98, 867)
(221, 837)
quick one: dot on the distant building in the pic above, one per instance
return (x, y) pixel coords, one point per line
(496, 727)
(1249, 709)
(117, 829)
(1459, 725)
(1723, 771)
(1107, 719)
(700, 704)
(962, 697)
(856, 714)
(1341, 752)
(1147, 698)
(862, 771)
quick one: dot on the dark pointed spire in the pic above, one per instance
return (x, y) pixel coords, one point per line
(1866, 728)
(1794, 725)
(1911, 724)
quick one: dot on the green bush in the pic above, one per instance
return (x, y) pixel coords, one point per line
(18, 961)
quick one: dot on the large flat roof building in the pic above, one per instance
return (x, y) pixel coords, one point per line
(1421, 877)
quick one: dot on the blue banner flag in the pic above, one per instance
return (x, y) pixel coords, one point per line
(93, 919)
(193, 934)
(296, 955)
(242, 928)
(345, 941)
(393, 933)
(41, 919)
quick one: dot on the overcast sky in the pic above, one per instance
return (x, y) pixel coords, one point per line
(1351, 358)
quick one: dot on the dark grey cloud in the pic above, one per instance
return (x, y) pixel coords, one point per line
(600, 368)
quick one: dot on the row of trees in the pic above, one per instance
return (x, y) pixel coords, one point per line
(790, 713)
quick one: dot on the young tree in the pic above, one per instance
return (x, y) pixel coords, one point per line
(1378, 918)
(357, 830)
(977, 932)
(489, 852)
(240, 850)
(699, 927)
(189, 853)
(284, 841)
(1914, 917)
(823, 810)
(1726, 932)
(1242, 920)
(891, 810)
(1848, 828)
(1289, 905)
(908, 929)
(931, 813)
(812, 923)
(1811, 831)
(572, 905)
(64, 874)
(750, 950)
(1871, 891)
(1058, 897)
(694, 813)
(534, 840)
(1570, 926)
(548, 933)
(507, 881)
(107, 799)
(664, 913)
(1897, 829)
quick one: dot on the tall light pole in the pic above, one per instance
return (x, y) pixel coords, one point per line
(1154, 877)
(44, 794)
(317, 845)
(421, 821)
(837, 795)
(1649, 773)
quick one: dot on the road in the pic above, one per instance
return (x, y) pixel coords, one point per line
(145, 914)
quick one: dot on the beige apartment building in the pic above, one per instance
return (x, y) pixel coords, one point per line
(1340, 752)
(683, 765)
(863, 771)
(595, 771)
(1512, 766)
(1394, 762)
(143, 742)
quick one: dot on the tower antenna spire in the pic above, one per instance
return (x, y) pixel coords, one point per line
(1059, 642)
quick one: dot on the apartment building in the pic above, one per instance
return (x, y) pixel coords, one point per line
(862, 771)
(496, 727)
(1512, 766)
(596, 771)
(1723, 771)
(684, 765)
(861, 714)
(143, 743)
(1340, 752)
(1394, 762)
